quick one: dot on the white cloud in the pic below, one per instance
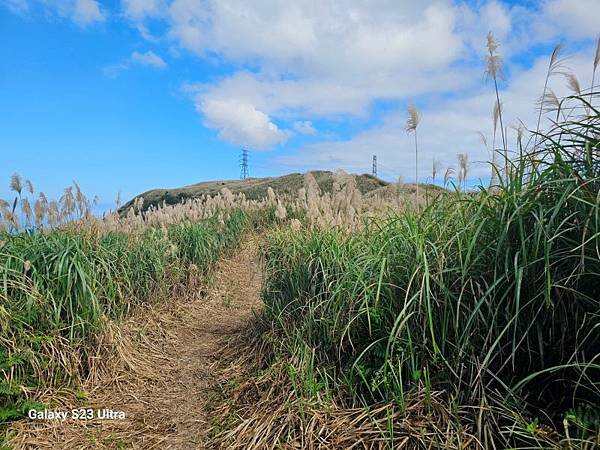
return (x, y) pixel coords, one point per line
(148, 58)
(140, 12)
(335, 59)
(328, 96)
(86, 12)
(304, 127)
(447, 128)
(142, 9)
(334, 62)
(81, 12)
(474, 24)
(521, 26)
(335, 38)
(581, 18)
(325, 62)
(241, 124)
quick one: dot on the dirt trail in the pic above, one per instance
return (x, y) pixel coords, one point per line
(162, 372)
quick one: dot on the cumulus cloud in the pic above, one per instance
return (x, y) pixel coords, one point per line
(447, 128)
(241, 124)
(298, 61)
(337, 39)
(340, 58)
(330, 97)
(337, 61)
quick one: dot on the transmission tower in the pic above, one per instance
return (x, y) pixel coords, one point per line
(374, 165)
(244, 164)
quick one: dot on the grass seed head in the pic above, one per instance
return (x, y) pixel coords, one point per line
(29, 186)
(448, 174)
(26, 211)
(494, 67)
(414, 118)
(550, 102)
(15, 183)
(573, 83)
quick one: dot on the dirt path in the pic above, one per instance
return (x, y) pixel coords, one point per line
(162, 373)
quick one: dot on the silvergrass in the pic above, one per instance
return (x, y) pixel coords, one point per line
(448, 175)
(414, 118)
(595, 67)
(494, 70)
(463, 169)
(435, 168)
(553, 66)
(490, 299)
(62, 282)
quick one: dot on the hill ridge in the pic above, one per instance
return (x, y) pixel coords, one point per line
(253, 188)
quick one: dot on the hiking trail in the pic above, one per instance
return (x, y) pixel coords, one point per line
(163, 374)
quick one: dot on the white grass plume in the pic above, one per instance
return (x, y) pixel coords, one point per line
(448, 174)
(494, 71)
(29, 186)
(596, 63)
(573, 83)
(435, 168)
(15, 183)
(463, 167)
(494, 68)
(550, 101)
(414, 118)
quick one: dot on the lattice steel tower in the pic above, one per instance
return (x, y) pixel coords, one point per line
(374, 165)
(244, 164)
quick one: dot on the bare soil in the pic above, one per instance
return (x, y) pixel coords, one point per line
(160, 368)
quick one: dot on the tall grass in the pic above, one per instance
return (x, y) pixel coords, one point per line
(490, 302)
(59, 288)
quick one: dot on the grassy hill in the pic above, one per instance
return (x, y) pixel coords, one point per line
(253, 188)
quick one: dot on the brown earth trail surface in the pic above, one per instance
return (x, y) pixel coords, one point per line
(162, 370)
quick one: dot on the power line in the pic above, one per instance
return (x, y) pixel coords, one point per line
(244, 164)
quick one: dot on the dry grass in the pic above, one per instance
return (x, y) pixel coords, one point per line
(253, 188)
(157, 367)
(264, 411)
(73, 211)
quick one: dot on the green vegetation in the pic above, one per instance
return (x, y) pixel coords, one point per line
(456, 320)
(484, 309)
(59, 288)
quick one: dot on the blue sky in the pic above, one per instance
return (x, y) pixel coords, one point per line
(135, 94)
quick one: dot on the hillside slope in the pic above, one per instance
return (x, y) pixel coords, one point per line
(253, 188)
